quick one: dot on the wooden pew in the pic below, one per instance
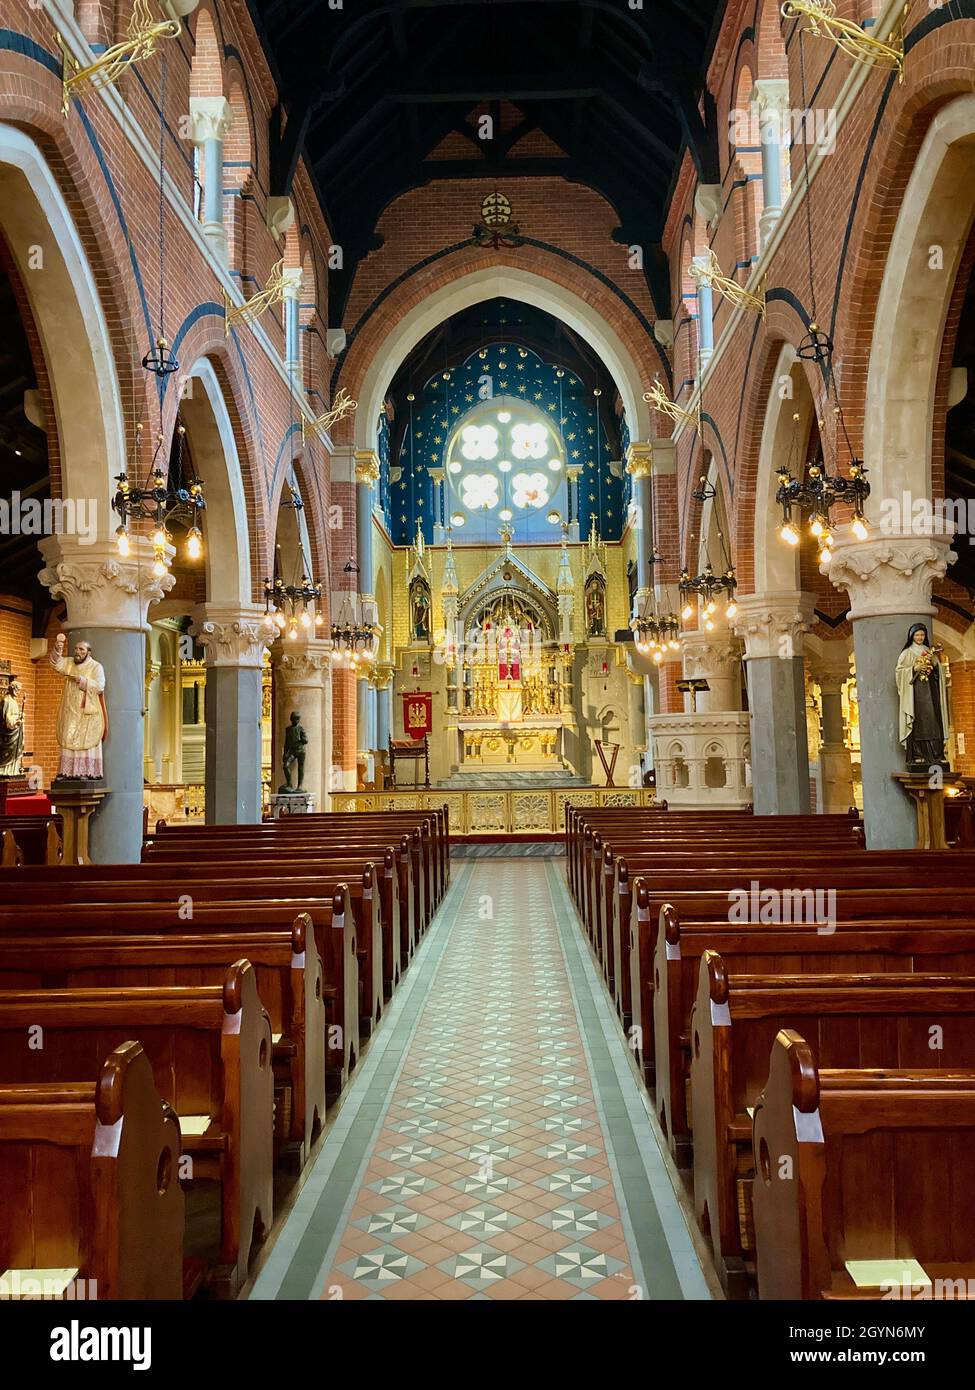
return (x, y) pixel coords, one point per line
(38, 838)
(861, 1165)
(851, 1021)
(88, 1182)
(210, 1050)
(214, 908)
(866, 948)
(340, 947)
(290, 982)
(854, 904)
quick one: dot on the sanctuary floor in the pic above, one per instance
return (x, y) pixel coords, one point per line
(494, 1143)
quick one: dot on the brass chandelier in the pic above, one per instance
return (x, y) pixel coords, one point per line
(354, 640)
(708, 587)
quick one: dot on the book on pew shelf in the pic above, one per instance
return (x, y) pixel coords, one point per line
(27, 1283)
(195, 1124)
(871, 1274)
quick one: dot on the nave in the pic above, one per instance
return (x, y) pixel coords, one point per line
(496, 1144)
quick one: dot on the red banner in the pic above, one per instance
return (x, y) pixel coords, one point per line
(418, 713)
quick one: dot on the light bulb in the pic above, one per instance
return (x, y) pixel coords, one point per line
(860, 528)
(293, 632)
(687, 613)
(158, 568)
(318, 619)
(825, 555)
(194, 544)
(159, 538)
(816, 524)
(122, 540)
(673, 644)
(789, 533)
(305, 619)
(658, 657)
(709, 626)
(709, 608)
(732, 609)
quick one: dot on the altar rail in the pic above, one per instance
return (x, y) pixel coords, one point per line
(485, 812)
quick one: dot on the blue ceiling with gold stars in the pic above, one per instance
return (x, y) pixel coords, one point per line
(574, 413)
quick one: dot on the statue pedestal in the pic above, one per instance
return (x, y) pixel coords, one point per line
(11, 787)
(292, 804)
(76, 802)
(929, 804)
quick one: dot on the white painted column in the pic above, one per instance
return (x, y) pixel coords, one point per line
(770, 99)
(304, 668)
(889, 580)
(107, 601)
(210, 120)
(705, 316)
(292, 331)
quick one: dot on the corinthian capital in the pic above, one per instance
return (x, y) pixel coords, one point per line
(231, 636)
(366, 466)
(99, 588)
(305, 664)
(210, 119)
(888, 575)
(773, 624)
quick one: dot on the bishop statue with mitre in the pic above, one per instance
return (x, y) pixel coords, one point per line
(82, 719)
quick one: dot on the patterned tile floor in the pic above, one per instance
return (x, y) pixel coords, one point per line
(495, 1144)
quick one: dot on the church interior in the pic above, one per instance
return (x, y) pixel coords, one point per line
(487, 654)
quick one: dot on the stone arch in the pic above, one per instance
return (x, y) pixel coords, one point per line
(213, 447)
(937, 210)
(375, 358)
(71, 325)
(206, 66)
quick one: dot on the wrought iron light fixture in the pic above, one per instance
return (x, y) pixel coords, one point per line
(817, 494)
(656, 633)
(354, 640)
(708, 586)
(159, 502)
(286, 605)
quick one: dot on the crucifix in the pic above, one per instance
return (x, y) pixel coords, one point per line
(694, 688)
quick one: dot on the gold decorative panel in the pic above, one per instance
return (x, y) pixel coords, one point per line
(486, 811)
(531, 811)
(621, 798)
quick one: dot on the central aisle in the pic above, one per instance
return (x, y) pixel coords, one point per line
(496, 1144)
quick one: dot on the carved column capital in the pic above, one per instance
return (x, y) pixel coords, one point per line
(305, 665)
(639, 460)
(888, 574)
(100, 589)
(210, 119)
(773, 624)
(366, 466)
(709, 654)
(231, 636)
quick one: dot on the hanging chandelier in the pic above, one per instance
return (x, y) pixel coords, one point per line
(656, 633)
(165, 496)
(708, 586)
(816, 491)
(354, 640)
(816, 494)
(159, 501)
(286, 606)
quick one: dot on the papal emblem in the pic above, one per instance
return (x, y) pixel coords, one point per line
(496, 228)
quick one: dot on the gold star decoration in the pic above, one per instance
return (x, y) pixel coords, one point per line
(538, 395)
(522, 389)
(438, 439)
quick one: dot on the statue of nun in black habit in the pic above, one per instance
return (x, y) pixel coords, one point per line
(923, 701)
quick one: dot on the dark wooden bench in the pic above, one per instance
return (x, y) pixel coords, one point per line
(290, 982)
(884, 1020)
(210, 1050)
(864, 1165)
(89, 1184)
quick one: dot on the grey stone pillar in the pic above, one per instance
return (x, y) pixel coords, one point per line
(107, 599)
(383, 680)
(772, 627)
(234, 641)
(889, 580)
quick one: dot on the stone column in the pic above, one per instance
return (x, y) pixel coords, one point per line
(107, 600)
(304, 670)
(772, 627)
(292, 332)
(210, 120)
(366, 477)
(383, 681)
(889, 580)
(770, 98)
(831, 671)
(233, 640)
(638, 465)
(705, 316)
(572, 475)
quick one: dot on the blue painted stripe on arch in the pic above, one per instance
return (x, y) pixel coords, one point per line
(13, 42)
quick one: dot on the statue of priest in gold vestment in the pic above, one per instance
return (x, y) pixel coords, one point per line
(82, 720)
